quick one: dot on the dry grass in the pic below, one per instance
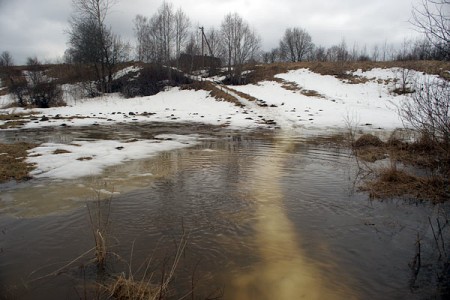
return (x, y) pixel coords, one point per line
(267, 72)
(99, 216)
(424, 154)
(13, 124)
(243, 95)
(339, 139)
(61, 151)
(12, 162)
(294, 87)
(215, 92)
(84, 158)
(128, 287)
(311, 93)
(391, 182)
(368, 140)
(369, 148)
(16, 116)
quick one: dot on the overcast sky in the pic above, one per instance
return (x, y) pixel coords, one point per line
(36, 27)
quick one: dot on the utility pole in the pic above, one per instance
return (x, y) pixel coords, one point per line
(204, 39)
(202, 29)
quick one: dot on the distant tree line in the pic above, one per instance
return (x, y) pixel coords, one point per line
(296, 45)
(168, 35)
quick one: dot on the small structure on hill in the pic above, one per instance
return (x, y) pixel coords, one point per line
(189, 63)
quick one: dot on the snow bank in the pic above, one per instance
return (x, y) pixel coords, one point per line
(6, 100)
(125, 71)
(173, 105)
(366, 104)
(85, 158)
(369, 104)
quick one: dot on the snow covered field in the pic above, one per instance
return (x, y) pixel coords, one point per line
(369, 105)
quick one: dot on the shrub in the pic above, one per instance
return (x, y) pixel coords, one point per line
(428, 110)
(45, 95)
(31, 86)
(151, 80)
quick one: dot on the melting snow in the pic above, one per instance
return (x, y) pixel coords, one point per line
(336, 103)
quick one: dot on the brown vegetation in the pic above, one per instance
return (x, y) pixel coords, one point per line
(128, 288)
(339, 69)
(13, 124)
(12, 161)
(424, 154)
(61, 151)
(339, 139)
(215, 92)
(391, 182)
(293, 86)
(368, 140)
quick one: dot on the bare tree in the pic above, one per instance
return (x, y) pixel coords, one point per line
(320, 54)
(296, 44)
(375, 53)
(162, 30)
(271, 56)
(240, 43)
(6, 63)
(6, 59)
(428, 109)
(193, 45)
(144, 47)
(182, 25)
(213, 36)
(433, 19)
(342, 53)
(92, 42)
(36, 89)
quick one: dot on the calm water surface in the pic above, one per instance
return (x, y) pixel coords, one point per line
(266, 216)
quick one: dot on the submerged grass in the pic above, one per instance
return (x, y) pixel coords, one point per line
(390, 182)
(12, 161)
(14, 120)
(99, 216)
(147, 286)
(431, 158)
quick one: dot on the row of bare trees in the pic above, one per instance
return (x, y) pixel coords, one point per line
(432, 18)
(163, 37)
(93, 43)
(296, 45)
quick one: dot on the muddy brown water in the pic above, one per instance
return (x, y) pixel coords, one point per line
(266, 216)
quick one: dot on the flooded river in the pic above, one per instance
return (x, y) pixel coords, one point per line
(265, 215)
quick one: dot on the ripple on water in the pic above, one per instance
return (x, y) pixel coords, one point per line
(262, 215)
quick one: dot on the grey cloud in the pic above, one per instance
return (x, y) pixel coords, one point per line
(30, 27)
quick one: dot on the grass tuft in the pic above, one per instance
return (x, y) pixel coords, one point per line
(61, 151)
(367, 140)
(12, 162)
(423, 154)
(391, 182)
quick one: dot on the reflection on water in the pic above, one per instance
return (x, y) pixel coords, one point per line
(269, 217)
(284, 272)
